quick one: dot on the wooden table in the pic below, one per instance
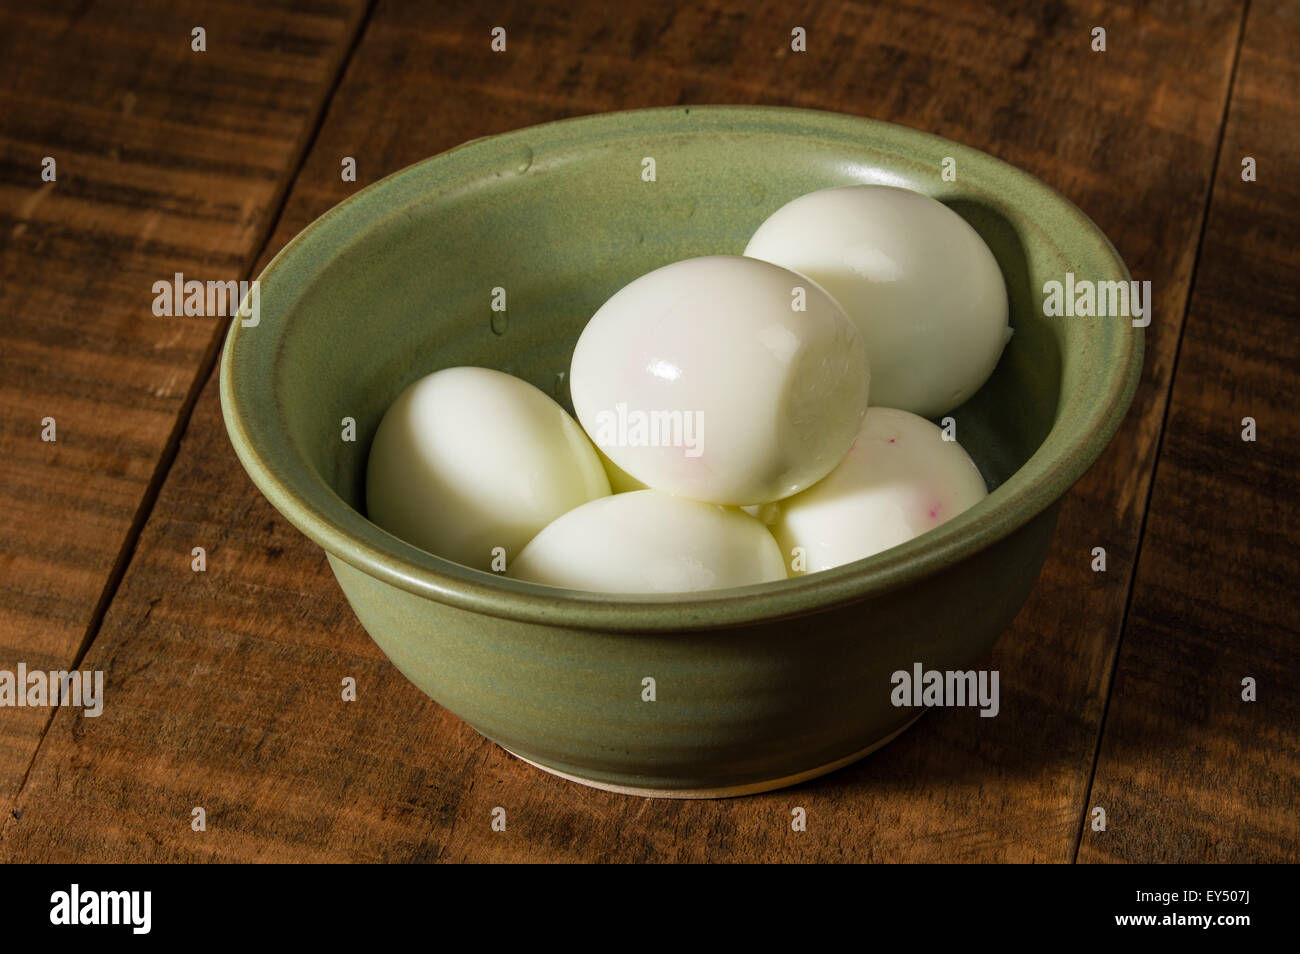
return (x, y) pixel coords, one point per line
(1120, 690)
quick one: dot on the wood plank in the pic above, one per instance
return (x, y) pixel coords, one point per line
(167, 160)
(1188, 770)
(225, 685)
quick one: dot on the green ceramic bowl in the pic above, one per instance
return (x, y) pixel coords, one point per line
(756, 687)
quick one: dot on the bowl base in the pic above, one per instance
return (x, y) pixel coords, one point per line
(726, 791)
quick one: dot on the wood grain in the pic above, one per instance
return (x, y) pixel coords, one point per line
(225, 685)
(1188, 771)
(167, 160)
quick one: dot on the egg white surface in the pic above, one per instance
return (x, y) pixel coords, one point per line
(470, 459)
(650, 542)
(919, 281)
(899, 480)
(764, 375)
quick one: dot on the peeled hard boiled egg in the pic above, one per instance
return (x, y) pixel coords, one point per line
(722, 379)
(900, 479)
(620, 481)
(919, 282)
(650, 542)
(469, 459)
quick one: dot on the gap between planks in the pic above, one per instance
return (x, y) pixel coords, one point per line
(1164, 424)
(202, 372)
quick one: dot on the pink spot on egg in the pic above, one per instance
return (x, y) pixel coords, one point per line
(891, 440)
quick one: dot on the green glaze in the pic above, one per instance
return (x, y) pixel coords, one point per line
(754, 685)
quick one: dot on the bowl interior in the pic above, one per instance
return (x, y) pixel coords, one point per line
(400, 281)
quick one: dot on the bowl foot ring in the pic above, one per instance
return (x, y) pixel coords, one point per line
(729, 791)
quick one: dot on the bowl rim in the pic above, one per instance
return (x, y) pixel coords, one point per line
(314, 508)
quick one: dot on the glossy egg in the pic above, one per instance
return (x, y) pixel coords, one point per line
(651, 542)
(900, 479)
(723, 379)
(920, 283)
(470, 463)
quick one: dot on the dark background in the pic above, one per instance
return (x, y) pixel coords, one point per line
(1119, 689)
